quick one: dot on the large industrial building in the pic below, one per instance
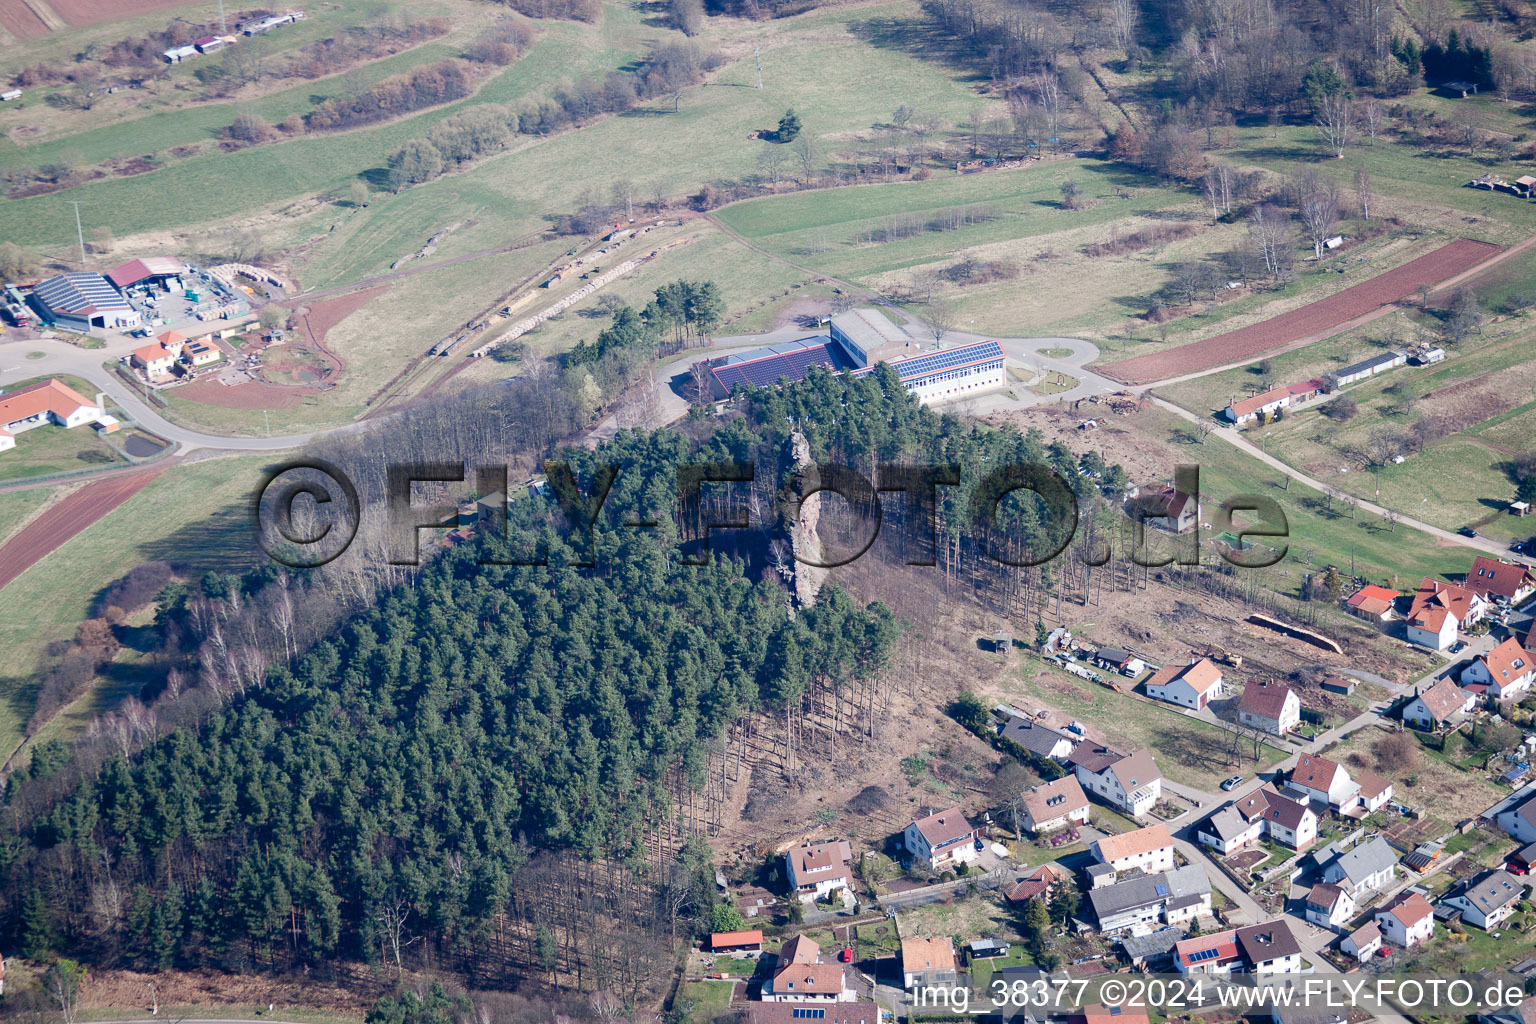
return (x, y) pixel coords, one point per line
(856, 342)
(162, 270)
(81, 301)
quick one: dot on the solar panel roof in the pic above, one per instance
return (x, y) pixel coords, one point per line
(767, 367)
(946, 359)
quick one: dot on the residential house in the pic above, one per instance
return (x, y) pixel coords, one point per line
(1493, 579)
(50, 401)
(1366, 866)
(1270, 948)
(1152, 951)
(1519, 820)
(791, 1012)
(1325, 783)
(1229, 830)
(1289, 822)
(1375, 791)
(1098, 1013)
(1172, 897)
(1149, 850)
(1523, 1012)
(800, 975)
(1372, 602)
(1439, 610)
(1216, 953)
(1330, 906)
(155, 360)
(818, 869)
(1116, 660)
(1504, 673)
(1037, 739)
(1128, 782)
(1489, 900)
(1192, 686)
(928, 962)
(941, 841)
(1166, 509)
(1406, 920)
(1246, 410)
(1262, 949)
(1054, 805)
(1271, 707)
(1362, 943)
(201, 352)
(1442, 705)
(1038, 884)
(737, 942)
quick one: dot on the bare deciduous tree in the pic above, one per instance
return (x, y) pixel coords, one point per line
(1336, 122)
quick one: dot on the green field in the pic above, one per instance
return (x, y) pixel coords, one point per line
(1459, 481)
(1188, 751)
(208, 530)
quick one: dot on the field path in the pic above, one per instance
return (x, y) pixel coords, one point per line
(1441, 268)
(47, 531)
(1230, 435)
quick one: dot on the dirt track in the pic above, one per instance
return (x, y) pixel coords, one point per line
(1313, 318)
(61, 522)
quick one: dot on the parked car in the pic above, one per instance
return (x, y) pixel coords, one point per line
(1232, 783)
(846, 956)
(1458, 646)
(1467, 531)
(980, 845)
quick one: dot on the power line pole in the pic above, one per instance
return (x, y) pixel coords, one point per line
(79, 231)
(223, 28)
(757, 53)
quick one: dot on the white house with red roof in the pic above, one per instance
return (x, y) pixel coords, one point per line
(1192, 686)
(50, 401)
(1406, 920)
(1492, 579)
(818, 869)
(1439, 610)
(1272, 707)
(1149, 850)
(801, 976)
(1325, 782)
(941, 841)
(1504, 673)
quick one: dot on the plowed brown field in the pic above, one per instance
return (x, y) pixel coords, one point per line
(1315, 318)
(39, 537)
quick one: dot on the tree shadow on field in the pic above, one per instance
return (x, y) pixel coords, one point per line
(225, 540)
(376, 178)
(1283, 154)
(916, 37)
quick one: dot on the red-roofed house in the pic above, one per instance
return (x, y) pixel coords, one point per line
(1249, 409)
(801, 976)
(1507, 671)
(1325, 782)
(737, 942)
(1492, 578)
(1372, 602)
(1439, 610)
(1192, 686)
(1149, 849)
(1216, 953)
(51, 401)
(1406, 920)
(158, 268)
(1271, 707)
(155, 360)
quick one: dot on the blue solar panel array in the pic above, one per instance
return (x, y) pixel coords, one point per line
(948, 359)
(773, 369)
(1204, 954)
(73, 293)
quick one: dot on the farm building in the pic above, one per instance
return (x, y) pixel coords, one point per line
(1430, 356)
(1369, 367)
(161, 270)
(80, 301)
(177, 54)
(51, 401)
(10, 94)
(211, 44)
